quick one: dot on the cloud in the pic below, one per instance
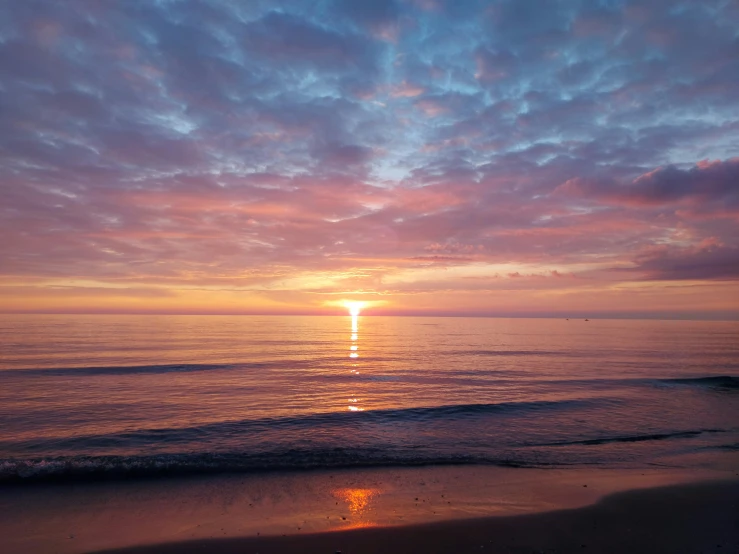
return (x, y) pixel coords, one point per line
(707, 181)
(379, 17)
(281, 38)
(214, 144)
(493, 66)
(706, 261)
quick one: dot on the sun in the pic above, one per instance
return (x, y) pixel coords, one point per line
(354, 307)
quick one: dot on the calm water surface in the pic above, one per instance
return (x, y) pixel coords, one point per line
(97, 396)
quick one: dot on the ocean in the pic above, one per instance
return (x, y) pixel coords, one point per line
(107, 397)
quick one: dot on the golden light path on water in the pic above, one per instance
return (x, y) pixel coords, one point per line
(354, 310)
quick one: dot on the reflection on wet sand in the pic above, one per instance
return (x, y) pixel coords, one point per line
(357, 500)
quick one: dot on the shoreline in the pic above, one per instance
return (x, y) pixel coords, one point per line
(282, 510)
(688, 518)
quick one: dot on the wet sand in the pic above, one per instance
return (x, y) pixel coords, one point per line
(695, 518)
(433, 509)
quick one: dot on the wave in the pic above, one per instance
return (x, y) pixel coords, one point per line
(154, 369)
(723, 382)
(456, 410)
(635, 438)
(720, 383)
(730, 446)
(308, 423)
(510, 353)
(72, 468)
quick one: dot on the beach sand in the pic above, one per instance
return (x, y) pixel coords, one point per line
(679, 519)
(429, 510)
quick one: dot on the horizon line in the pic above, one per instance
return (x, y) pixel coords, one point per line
(664, 316)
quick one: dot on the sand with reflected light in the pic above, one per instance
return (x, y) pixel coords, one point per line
(357, 500)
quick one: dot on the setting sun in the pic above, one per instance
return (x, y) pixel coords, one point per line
(354, 307)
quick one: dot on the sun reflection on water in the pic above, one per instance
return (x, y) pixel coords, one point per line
(354, 354)
(355, 336)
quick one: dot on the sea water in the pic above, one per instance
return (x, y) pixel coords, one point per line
(102, 396)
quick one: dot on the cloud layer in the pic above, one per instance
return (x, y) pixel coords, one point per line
(429, 155)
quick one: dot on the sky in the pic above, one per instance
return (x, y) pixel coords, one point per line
(439, 157)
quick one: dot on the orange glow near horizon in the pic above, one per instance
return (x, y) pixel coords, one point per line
(521, 296)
